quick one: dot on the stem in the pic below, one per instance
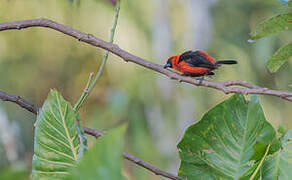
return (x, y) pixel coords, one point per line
(261, 163)
(100, 70)
(84, 94)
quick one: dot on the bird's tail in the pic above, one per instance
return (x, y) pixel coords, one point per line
(226, 62)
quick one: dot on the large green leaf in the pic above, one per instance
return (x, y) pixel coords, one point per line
(273, 25)
(56, 141)
(221, 145)
(279, 58)
(279, 165)
(104, 160)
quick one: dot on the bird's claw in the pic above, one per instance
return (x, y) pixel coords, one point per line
(201, 80)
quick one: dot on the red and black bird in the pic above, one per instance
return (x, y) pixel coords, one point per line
(195, 63)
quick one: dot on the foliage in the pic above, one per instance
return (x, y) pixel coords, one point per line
(56, 146)
(274, 25)
(104, 159)
(279, 58)
(230, 141)
(69, 68)
(279, 164)
(56, 140)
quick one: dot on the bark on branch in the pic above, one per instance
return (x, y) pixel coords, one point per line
(224, 86)
(151, 168)
(32, 108)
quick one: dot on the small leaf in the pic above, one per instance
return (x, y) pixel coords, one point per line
(55, 141)
(279, 58)
(273, 25)
(104, 159)
(221, 145)
(279, 165)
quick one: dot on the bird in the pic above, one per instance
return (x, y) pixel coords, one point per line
(195, 64)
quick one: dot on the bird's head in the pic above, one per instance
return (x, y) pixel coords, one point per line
(171, 60)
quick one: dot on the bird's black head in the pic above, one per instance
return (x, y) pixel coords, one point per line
(168, 64)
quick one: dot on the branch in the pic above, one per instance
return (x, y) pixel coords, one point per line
(151, 168)
(224, 86)
(93, 132)
(18, 100)
(32, 108)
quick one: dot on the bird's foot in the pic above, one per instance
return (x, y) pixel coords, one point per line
(201, 79)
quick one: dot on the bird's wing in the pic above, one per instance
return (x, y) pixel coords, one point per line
(196, 59)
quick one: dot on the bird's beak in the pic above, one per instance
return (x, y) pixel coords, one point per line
(167, 65)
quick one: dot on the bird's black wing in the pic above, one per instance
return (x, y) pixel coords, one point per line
(196, 59)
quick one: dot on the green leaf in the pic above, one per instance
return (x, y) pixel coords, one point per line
(104, 159)
(273, 25)
(279, 58)
(279, 165)
(56, 141)
(221, 145)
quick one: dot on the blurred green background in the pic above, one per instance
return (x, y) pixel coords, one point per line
(158, 109)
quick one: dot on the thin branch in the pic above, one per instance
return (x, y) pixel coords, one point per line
(84, 94)
(18, 100)
(107, 53)
(100, 70)
(224, 86)
(93, 132)
(151, 168)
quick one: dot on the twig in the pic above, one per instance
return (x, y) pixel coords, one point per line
(84, 94)
(93, 132)
(100, 70)
(224, 86)
(151, 168)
